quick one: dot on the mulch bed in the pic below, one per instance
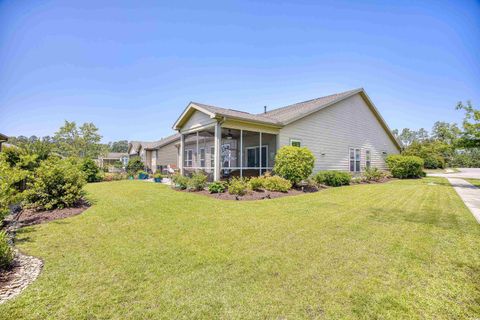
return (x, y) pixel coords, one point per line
(256, 195)
(28, 217)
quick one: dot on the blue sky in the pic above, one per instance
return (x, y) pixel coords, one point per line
(132, 66)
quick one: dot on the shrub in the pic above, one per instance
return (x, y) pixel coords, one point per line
(11, 184)
(256, 183)
(91, 170)
(217, 187)
(158, 176)
(333, 178)
(58, 183)
(6, 252)
(179, 181)
(197, 182)
(238, 186)
(294, 163)
(277, 183)
(404, 167)
(135, 165)
(373, 174)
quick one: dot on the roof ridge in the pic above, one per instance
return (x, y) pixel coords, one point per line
(311, 100)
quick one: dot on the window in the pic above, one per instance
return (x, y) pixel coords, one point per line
(368, 159)
(253, 157)
(354, 160)
(188, 157)
(295, 143)
(202, 157)
(212, 157)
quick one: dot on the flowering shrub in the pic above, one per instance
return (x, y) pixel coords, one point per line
(276, 183)
(238, 186)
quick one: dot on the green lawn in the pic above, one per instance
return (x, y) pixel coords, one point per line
(475, 182)
(405, 249)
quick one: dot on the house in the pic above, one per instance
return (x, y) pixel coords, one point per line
(149, 152)
(111, 158)
(3, 138)
(344, 131)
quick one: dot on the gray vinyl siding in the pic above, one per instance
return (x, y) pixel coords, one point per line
(168, 154)
(197, 119)
(333, 130)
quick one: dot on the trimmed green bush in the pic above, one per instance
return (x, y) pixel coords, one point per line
(217, 187)
(58, 183)
(180, 181)
(277, 183)
(333, 178)
(404, 167)
(294, 163)
(91, 170)
(238, 186)
(256, 183)
(6, 252)
(197, 182)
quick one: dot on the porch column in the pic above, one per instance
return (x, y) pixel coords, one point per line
(197, 156)
(182, 152)
(241, 153)
(260, 153)
(218, 141)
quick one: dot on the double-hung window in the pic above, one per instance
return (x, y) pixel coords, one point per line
(212, 157)
(368, 159)
(202, 157)
(188, 157)
(355, 160)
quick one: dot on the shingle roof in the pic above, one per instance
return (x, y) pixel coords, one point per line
(232, 113)
(3, 137)
(286, 114)
(136, 145)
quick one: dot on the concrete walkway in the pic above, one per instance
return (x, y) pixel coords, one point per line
(469, 194)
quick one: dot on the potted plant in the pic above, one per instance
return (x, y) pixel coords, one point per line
(142, 175)
(157, 177)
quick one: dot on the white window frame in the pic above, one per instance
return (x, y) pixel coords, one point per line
(357, 164)
(368, 159)
(212, 156)
(188, 161)
(295, 140)
(202, 159)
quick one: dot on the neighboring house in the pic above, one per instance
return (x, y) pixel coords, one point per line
(3, 139)
(344, 131)
(152, 157)
(111, 158)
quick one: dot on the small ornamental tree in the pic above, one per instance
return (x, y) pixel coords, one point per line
(294, 163)
(135, 165)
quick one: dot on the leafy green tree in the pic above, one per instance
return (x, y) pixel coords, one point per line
(446, 132)
(118, 146)
(83, 141)
(471, 125)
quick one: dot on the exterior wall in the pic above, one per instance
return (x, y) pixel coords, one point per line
(168, 155)
(148, 159)
(333, 130)
(196, 120)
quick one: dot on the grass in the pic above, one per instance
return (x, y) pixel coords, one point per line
(475, 182)
(401, 250)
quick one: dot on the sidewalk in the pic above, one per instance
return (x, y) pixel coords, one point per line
(469, 194)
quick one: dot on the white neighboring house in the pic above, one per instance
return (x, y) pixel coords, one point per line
(344, 131)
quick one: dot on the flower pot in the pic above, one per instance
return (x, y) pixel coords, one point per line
(157, 180)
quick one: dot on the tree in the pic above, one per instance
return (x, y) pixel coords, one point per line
(83, 141)
(471, 125)
(118, 146)
(446, 132)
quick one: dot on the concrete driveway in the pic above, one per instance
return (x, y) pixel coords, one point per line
(473, 173)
